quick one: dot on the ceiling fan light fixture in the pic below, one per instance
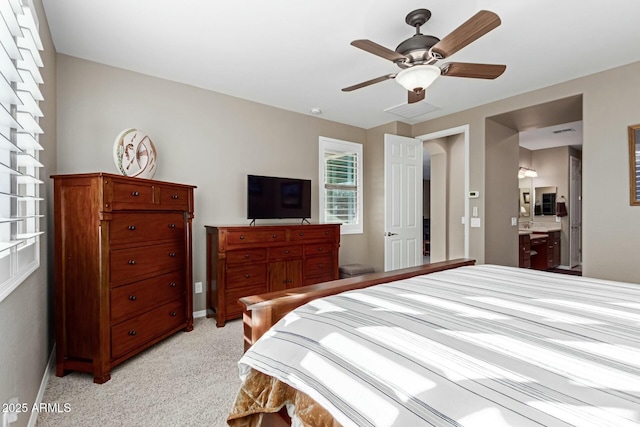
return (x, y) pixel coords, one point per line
(418, 77)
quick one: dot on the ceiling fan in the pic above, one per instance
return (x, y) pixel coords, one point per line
(418, 54)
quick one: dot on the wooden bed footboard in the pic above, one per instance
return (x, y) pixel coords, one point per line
(264, 310)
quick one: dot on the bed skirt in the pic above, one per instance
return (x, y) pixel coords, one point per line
(262, 394)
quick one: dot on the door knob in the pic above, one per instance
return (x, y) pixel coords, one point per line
(388, 233)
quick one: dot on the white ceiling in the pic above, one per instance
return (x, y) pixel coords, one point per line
(296, 55)
(553, 136)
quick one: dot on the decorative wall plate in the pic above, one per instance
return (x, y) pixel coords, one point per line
(134, 154)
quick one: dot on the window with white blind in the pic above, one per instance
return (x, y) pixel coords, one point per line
(19, 147)
(341, 184)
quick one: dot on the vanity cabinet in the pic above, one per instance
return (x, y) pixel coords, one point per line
(122, 268)
(525, 251)
(251, 260)
(547, 248)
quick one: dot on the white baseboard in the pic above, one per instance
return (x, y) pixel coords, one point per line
(201, 313)
(43, 386)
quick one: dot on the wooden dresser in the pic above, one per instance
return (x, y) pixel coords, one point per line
(122, 268)
(250, 260)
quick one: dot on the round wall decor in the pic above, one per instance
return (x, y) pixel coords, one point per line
(134, 154)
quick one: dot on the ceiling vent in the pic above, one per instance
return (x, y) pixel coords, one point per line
(564, 130)
(409, 111)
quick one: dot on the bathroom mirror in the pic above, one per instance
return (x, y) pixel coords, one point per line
(545, 201)
(634, 163)
(525, 202)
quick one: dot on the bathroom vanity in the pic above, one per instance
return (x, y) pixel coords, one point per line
(540, 248)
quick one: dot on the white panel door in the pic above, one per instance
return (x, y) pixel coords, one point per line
(403, 202)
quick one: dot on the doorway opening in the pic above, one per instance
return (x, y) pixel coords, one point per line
(445, 212)
(543, 138)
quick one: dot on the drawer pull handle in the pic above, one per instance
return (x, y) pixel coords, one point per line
(301, 234)
(172, 226)
(246, 276)
(246, 256)
(172, 254)
(132, 297)
(326, 233)
(242, 237)
(132, 261)
(175, 197)
(135, 193)
(320, 249)
(132, 332)
(172, 284)
(172, 314)
(320, 266)
(286, 252)
(284, 280)
(274, 236)
(288, 280)
(132, 227)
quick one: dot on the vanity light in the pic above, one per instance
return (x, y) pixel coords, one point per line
(527, 173)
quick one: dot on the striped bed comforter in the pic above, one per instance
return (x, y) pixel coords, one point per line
(474, 346)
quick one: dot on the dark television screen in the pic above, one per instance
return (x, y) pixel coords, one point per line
(273, 197)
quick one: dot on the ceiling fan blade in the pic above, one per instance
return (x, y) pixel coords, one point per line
(381, 51)
(474, 28)
(475, 71)
(369, 82)
(414, 96)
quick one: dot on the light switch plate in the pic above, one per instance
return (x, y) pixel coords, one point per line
(475, 222)
(198, 286)
(514, 221)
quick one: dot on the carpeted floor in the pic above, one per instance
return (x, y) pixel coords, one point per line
(187, 380)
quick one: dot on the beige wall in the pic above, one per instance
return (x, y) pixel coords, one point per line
(203, 138)
(501, 194)
(455, 196)
(92, 111)
(26, 315)
(439, 206)
(609, 106)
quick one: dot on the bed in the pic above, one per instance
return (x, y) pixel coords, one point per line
(476, 345)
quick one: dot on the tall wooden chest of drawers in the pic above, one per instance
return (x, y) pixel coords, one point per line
(249, 260)
(122, 268)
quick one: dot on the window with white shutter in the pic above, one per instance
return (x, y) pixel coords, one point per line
(341, 184)
(19, 147)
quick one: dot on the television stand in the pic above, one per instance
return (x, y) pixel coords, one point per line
(244, 261)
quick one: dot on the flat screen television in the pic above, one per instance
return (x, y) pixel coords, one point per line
(270, 197)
